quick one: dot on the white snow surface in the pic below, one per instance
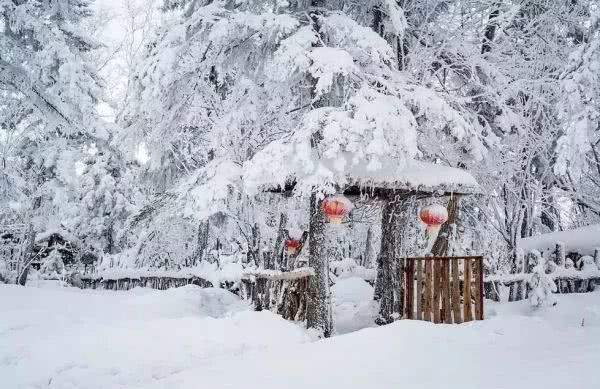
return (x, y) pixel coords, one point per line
(353, 307)
(582, 240)
(193, 338)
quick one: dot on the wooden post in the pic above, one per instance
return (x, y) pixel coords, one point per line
(467, 290)
(428, 295)
(480, 281)
(447, 292)
(436, 291)
(409, 290)
(419, 281)
(456, 292)
(477, 289)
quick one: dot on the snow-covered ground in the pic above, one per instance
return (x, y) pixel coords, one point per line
(65, 338)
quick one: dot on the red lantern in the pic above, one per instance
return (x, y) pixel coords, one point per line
(433, 216)
(336, 208)
(292, 246)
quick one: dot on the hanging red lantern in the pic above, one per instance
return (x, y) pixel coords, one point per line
(433, 216)
(336, 208)
(292, 246)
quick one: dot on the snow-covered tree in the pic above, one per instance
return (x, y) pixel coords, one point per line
(541, 285)
(50, 91)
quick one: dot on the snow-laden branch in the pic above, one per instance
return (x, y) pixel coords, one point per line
(18, 78)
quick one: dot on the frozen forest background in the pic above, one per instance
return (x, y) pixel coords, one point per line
(138, 133)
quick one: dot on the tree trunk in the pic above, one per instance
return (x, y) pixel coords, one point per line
(27, 256)
(277, 257)
(202, 242)
(253, 254)
(442, 242)
(367, 258)
(389, 286)
(318, 309)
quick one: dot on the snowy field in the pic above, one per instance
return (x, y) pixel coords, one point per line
(65, 338)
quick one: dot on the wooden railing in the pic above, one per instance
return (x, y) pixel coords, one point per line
(444, 289)
(282, 292)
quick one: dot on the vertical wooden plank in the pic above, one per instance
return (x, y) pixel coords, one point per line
(442, 286)
(456, 292)
(475, 288)
(447, 293)
(480, 282)
(409, 288)
(419, 281)
(436, 291)
(427, 295)
(467, 290)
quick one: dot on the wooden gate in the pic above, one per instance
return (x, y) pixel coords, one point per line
(444, 289)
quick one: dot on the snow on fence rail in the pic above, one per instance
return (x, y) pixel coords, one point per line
(516, 286)
(283, 292)
(276, 275)
(125, 279)
(154, 282)
(570, 271)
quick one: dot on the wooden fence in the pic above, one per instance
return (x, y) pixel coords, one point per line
(283, 292)
(126, 283)
(444, 289)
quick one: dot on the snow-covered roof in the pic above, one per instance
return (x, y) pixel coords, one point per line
(42, 236)
(414, 176)
(582, 240)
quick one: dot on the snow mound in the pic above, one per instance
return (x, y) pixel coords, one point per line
(352, 290)
(347, 268)
(81, 339)
(189, 300)
(354, 307)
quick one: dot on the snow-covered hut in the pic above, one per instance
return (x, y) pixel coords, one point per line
(390, 180)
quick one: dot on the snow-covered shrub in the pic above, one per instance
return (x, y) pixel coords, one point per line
(587, 263)
(347, 268)
(569, 263)
(343, 268)
(53, 266)
(541, 285)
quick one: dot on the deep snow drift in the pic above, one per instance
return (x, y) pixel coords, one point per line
(193, 338)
